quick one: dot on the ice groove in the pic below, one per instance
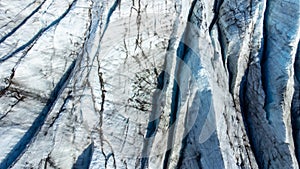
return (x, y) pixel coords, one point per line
(22, 23)
(39, 34)
(30, 134)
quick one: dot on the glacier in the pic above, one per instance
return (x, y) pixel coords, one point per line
(150, 84)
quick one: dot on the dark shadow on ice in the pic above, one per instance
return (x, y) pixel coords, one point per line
(84, 160)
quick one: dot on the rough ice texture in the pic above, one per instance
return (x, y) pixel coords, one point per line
(149, 84)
